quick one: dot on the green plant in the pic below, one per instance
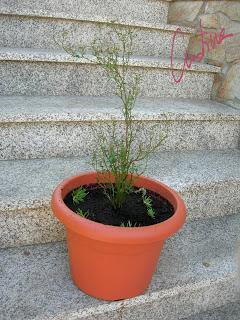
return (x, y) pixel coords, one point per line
(83, 214)
(147, 201)
(120, 152)
(79, 195)
(129, 224)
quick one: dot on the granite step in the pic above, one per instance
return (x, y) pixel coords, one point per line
(42, 127)
(209, 182)
(230, 311)
(196, 272)
(38, 32)
(52, 72)
(145, 10)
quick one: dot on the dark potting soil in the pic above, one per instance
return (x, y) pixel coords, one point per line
(100, 209)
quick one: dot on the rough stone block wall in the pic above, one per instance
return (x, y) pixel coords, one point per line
(215, 15)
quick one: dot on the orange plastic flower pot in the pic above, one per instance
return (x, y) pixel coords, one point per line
(108, 262)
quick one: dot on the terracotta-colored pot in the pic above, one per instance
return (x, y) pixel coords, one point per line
(109, 262)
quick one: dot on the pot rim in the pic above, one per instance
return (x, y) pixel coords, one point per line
(117, 234)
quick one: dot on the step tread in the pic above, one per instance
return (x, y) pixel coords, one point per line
(72, 108)
(59, 56)
(29, 183)
(36, 282)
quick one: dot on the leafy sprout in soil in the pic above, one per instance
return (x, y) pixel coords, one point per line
(79, 195)
(129, 224)
(83, 214)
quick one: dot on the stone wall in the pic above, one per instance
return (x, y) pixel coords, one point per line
(215, 15)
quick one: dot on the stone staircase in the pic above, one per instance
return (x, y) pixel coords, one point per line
(48, 102)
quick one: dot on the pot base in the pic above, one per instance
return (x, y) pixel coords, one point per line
(111, 271)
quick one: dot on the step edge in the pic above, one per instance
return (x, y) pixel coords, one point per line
(58, 56)
(108, 117)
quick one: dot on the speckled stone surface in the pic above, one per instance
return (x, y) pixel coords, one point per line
(158, 25)
(60, 56)
(29, 32)
(196, 272)
(145, 10)
(31, 76)
(209, 182)
(229, 311)
(65, 79)
(42, 127)
(83, 108)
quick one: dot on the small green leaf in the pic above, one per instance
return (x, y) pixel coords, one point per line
(83, 214)
(79, 195)
(129, 224)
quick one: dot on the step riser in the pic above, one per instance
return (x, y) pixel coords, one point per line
(53, 139)
(214, 200)
(25, 32)
(43, 78)
(32, 226)
(140, 10)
